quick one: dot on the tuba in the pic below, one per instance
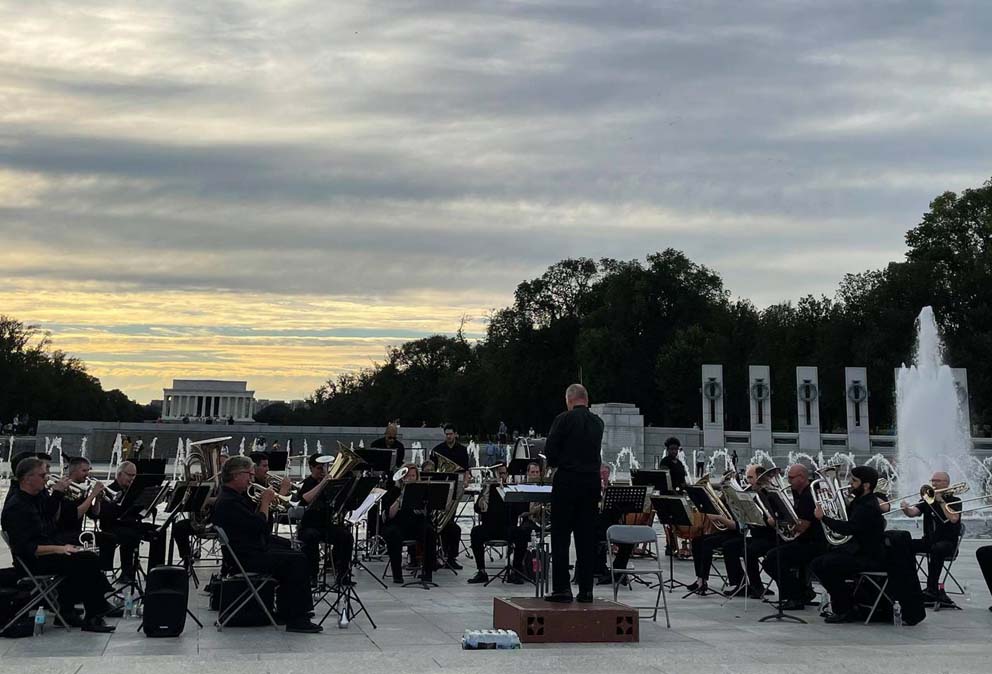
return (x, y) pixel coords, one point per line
(203, 463)
(445, 465)
(830, 497)
(718, 504)
(345, 461)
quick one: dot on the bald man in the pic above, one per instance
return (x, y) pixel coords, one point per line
(573, 450)
(390, 441)
(941, 530)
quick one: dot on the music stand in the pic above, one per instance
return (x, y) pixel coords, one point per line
(660, 480)
(744, 505)
(528, 493)
(278, 461)
(518, 467)
(672, 512)
(781, 514)
(378, 460)
(150, 466)
(427, 496)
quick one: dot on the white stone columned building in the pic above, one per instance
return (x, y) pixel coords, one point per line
(203, 398)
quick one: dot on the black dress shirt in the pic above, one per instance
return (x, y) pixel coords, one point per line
(316, 515)
(865, 524)
(805, 508)
(574, 441)
(397, 447)
(28, 522)
(457, 453)
(936, 526)
(247, 529)
(675, 469)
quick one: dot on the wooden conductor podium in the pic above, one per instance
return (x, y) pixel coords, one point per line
(540, 622)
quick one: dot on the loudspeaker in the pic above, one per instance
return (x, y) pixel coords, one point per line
(166, 598)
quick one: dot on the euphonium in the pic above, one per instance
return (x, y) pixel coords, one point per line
(717, 502)
(828, 495)
(345, 462)
(445, 465)
(772, 481)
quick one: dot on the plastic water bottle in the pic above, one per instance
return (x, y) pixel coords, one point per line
(897, 614)
(129, 604)
(39, 621)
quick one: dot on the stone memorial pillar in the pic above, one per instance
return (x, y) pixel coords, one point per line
(856, 397)
(712, 394)
(808, 403)
(760, 394)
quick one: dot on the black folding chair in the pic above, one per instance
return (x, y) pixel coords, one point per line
(629, 534)
(878, 580)
(254, 581)
(43, 589)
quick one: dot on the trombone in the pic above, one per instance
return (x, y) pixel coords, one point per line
(928, 494)
(986, 497)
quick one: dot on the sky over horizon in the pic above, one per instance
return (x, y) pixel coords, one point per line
(277, 191)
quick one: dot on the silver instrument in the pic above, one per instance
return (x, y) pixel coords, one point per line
(828, 494)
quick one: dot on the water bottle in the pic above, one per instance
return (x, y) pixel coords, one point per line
(39, 621)
(897, 614)
(129, 604)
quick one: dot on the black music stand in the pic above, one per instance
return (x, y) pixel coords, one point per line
(278, 461)
(379, 462)
(542, 494)
(620, 500)
(660, 480)
(426, 496)
(329, 503)
(748, 516)
(518, 467)
(138, 506)
(671, 513)
(508, 519)
(781, 514)
(150, 466)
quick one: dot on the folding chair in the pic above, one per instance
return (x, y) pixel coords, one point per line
(880, 581)
(949, 562)
(43, 589)
(254, 581)
(415, 569)
(631, 534)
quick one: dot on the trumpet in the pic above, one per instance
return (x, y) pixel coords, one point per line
(280, 505)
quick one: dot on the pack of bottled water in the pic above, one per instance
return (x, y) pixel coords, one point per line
(487, 639)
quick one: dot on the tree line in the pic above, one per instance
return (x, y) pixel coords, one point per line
(638, 331)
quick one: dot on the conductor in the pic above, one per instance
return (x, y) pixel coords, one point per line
(573, 449)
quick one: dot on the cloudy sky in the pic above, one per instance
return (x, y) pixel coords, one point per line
(276, 190)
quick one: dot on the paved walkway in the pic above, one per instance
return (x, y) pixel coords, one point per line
(421, 630)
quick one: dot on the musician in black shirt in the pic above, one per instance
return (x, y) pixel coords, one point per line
(127, 530)
(27, 521)
(864, 552)
(671, 461)
(761, 540)
(498, 521)
(792, 558)
(389, 441)
(573, 450)
(318, 525)
(72, 510)
(246, 527)
(451, 449)
(941, 531)
(402, 524)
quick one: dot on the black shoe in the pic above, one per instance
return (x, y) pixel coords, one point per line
(73, 618)
(345, 581)
(397, 580)
(303, 627)
(835, 618)
(698, 587)
(113, 612)
(945, 601)
(585, 597)
(793, 605)
(97, 625)
(515, 579)
(479, 577)
(559, 598)
(756, 593)
(605, 579)
(453, 564)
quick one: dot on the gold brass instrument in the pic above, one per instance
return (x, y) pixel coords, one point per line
(928, 494)
(280, 505)
(716, 501)
(345, 462)
(984, 497)
(203, 463)
(772, 481)
(445, 465)
(830, 497)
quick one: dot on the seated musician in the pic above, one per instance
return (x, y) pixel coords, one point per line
(427, 466)
(604, 520)
(984, 556)
(127, 529)
(497, 523)
(705, 545)
(28, 523)
(792, 558)
(72, 510)
(455, 451)
(405, 525)
(756, 546)
(318, 525)
(261, 474)
(247, 528)
(941, 530)
(864, 552)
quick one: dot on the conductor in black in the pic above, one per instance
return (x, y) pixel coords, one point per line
(573, 450)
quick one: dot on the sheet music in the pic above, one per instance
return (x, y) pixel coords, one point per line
(526, 488)
(359, 513)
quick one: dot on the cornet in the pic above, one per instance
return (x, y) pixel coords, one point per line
(280, 505)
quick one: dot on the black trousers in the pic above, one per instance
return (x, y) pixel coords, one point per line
(408, 527)
(575, 504)
(516, 536)
(834, 569)
(733, 552)
(84, 580)
(289, 568)
(938, 552)
(182, 536)
(703, 548)
(129, 536)
(451, 539)
(793, 559)
(338, 537)
(984, 555)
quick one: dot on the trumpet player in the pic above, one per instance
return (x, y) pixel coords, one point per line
(941, 529)
(246, 527)
(128, 531)
(405, 525)
(86, 503)
(864, 552)
(497, 523)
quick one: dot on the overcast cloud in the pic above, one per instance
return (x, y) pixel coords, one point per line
(422, 158)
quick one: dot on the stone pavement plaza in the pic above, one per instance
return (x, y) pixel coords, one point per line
(420, 631)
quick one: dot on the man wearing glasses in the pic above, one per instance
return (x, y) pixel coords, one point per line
(389, 441)
(246, 525)
(34, 539)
